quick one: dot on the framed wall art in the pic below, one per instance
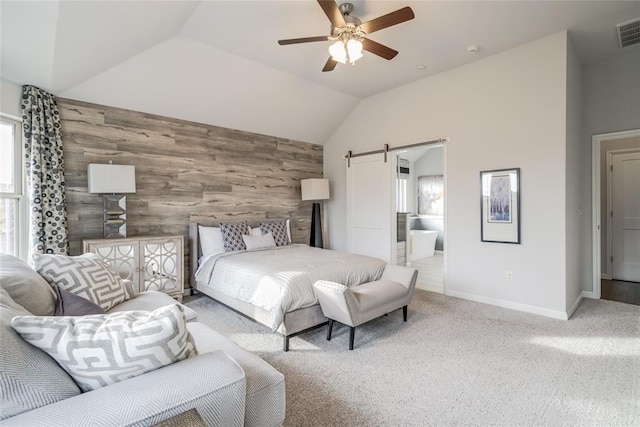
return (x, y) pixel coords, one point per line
(500, 206)
(431, 195)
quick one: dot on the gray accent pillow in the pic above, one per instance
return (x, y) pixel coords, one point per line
(279, 231)
(87, 276)
(232, 233)
(123, 345)
(259, 242)
(29, 378)
(70, 304)
(26, 287)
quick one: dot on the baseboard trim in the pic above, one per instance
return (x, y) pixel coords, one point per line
(554, 314)
(436, 289)
(589, 295)
(605, 276)
(575, 305)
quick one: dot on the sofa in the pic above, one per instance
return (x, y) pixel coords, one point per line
(225, 384)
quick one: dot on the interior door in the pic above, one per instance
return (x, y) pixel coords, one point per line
(626, 217)
(371, 206)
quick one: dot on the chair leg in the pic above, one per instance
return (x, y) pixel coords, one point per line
(329, 329)
(286, 343)
(404, 313)
(352, 333)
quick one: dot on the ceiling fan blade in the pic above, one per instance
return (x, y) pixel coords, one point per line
(388, 20)
(304, 40)
(330, 65)
(330, 9)
(379, 49)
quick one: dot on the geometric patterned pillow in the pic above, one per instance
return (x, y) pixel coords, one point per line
(103, 349)
(279, 231)
(232, 235)
(29, 378)
(86, 276)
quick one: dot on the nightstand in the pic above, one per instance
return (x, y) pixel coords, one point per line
(151, 263)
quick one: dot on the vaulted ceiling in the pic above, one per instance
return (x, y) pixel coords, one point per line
(218, 62)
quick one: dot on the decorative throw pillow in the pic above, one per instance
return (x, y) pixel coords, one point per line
(104, 349)
(259, 242)
(26, 287)
(255, 231)
(279, 231)
(69, 304)
(86, 276)
(232, 233)
(210, 240)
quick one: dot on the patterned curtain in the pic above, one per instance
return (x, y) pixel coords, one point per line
(45, 176)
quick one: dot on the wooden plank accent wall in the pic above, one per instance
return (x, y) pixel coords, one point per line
(185, 172)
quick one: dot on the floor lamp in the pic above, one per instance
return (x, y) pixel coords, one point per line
(315, 189)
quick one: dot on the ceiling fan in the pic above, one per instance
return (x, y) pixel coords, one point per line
(349, 33)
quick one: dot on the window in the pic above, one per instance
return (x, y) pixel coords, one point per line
(403, 175)
(401, 195)
(12, 199)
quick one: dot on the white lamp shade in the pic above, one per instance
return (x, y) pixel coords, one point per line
(108, 178)
(315, 189)
(338, 51)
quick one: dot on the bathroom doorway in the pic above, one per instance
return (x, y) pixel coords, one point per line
(420, 195)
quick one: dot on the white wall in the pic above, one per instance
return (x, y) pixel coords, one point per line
(10, 94)
(575, 254)
(189, 80)
(504, 111)
(612, 95)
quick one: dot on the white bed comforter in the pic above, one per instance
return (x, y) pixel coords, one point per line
(280, 279)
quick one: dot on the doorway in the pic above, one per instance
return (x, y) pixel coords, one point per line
(424, 202)
(616, 216)
(383, 209)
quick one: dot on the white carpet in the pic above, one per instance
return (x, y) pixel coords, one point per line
(456, 362)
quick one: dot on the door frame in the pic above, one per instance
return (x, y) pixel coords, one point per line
(596, 203)
(445, 235)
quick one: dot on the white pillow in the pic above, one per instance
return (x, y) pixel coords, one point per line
(210, 240)
(102, 349)
(259, 242)
(256, 231)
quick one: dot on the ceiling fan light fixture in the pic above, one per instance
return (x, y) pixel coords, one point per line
(346, 52)
(349, 34)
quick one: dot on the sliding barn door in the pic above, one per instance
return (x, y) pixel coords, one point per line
(371, 206)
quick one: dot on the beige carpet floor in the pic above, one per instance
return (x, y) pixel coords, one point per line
(456, 363)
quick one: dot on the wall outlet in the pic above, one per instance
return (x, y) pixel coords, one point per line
(508, 275)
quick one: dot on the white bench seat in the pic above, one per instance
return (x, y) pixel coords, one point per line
(360, 304)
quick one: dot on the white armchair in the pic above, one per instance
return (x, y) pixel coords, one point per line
(360, 304)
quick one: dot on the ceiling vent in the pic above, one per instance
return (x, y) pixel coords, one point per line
(629, 33)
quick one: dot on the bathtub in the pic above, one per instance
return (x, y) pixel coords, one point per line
(422, 244)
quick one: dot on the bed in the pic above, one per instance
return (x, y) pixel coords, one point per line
(272, 286)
